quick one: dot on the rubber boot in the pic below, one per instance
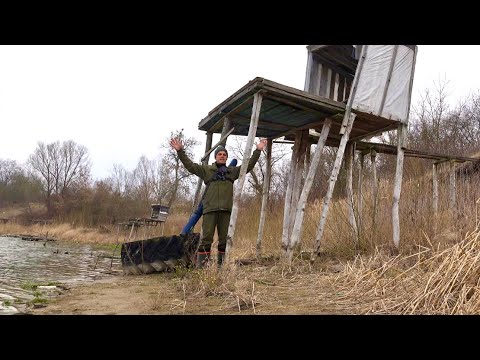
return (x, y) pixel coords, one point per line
(202, 259)
(220, 257)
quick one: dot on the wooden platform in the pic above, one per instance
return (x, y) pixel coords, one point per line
(286, 110)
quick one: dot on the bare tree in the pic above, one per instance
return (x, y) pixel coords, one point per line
(438, 127)
(59, 167)
(122, 181)
(8, 170)
(74, 164)
(160, 180)
(256, 177)
(42, 164)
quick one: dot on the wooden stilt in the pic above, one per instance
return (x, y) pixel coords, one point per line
(373, 156)
(397, 187)
(288, 194)
(297, 185)
(360, 195)
(435, 196)
(308, 157)
(349, 153)
(331, 185)
(266, 189)
(257, 104)
(227, 125)
(300, 212)
(453, 186)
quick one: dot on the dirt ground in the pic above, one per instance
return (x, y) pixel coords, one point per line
(259, 292)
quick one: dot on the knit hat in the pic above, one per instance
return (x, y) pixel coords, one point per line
(220, 148)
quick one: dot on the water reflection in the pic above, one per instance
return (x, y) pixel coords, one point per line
(23, 263)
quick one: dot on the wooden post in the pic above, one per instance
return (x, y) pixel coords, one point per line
(331, 185)
(227, 125)
(297, 185)
(453, 186)
(435, 196)
(300, 212)
(349, 154)
(397, 187)
(288, 193)
(308, 159)
(266, 189)
(360, 195)
(196, 199)
(257, 104)
(373, 155)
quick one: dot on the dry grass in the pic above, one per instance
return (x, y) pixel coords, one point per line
(430, 281)
(63, 232)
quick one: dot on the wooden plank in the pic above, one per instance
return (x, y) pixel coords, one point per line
(331, 186)
(373, 133)
(341, 88)
(397, 187)
(308, 126)
(317, 82)
(336, 67)
(257, 104)
(298, 106)
(300, 211)
(271, 124)
(250, 87)
(336, 86)
(266, 189)
(309, 73)
(296, 93)
(227, 126)
(324, 82)
(333, 77)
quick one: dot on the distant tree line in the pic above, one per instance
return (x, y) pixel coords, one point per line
(58, 175)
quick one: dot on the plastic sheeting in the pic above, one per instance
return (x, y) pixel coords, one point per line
(373, 83)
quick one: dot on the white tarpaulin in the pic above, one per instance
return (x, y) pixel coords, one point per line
(375, 94)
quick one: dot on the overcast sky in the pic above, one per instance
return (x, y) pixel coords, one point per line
(121, 102)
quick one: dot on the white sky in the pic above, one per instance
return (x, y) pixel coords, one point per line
(121, 102)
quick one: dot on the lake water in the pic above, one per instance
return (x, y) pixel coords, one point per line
(25, 263)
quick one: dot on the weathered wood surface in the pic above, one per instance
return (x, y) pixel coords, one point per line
(257, 105)
(300, 210)
(266, 189)
(349, 154)
(397, 187)
(331, 186)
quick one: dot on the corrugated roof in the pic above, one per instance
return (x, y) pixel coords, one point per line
(285, 110)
